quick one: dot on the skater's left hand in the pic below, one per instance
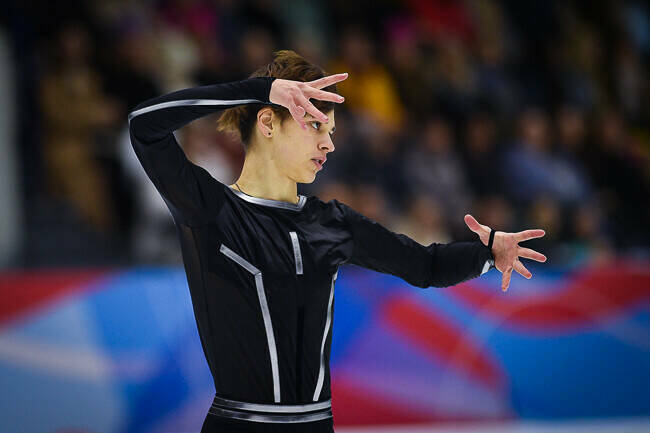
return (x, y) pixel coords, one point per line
(506, 250)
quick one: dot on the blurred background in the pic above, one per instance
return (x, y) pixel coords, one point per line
(524, 114)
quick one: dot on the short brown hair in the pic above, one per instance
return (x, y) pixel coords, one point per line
(287, 65)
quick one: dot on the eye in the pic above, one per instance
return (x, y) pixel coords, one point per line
(316, 123)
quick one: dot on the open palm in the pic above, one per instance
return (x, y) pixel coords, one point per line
(295, 95)
(506, 249)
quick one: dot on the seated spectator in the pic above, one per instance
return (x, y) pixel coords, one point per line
(409, 65)
(589, 235)
(456, 82)
(382, 165)
(73, 108)
(434, 168)
(623, 186)
(369, 89)
(481, 154)
(423, 221)
(371, 201)
(531, 169)
(496, 211)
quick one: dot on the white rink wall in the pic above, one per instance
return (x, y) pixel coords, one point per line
(606, 425)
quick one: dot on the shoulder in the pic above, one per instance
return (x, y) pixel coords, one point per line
(329, 210)
(318, 203)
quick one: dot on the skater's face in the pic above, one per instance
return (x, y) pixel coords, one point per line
(294, 149)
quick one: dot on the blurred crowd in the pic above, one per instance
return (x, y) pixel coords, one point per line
(524, 114)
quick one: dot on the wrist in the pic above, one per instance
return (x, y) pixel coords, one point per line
(489, 247)
(267, 84)
(491, 239)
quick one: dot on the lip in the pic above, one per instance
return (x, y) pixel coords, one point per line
(320, 166)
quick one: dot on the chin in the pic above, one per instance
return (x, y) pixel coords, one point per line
(309, 178)
(306, 176)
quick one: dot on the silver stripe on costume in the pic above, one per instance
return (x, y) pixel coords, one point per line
(265, 315)
(239, 259)
(189, 102)
(273, 203)
(321, 371)
(272, 407)
(486, 266)
(296, 252)
(270, 418)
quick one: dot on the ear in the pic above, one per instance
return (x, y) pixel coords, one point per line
(265, 119)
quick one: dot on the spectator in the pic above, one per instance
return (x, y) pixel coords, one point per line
(624, 189)
(370, 89)
(409, 65)
(423, 221)
(570, 127)
(371, 202)
(382, 166)
(434, 168)
(482, 155)
(533, 171)
(73, 109)
(585, 174)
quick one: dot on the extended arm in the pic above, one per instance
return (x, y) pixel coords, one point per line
(375, 247)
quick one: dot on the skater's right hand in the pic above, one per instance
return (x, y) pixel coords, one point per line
(294, 95)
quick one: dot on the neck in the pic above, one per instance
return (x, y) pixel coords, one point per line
(261, 177)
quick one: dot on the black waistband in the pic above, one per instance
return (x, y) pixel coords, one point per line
(278, 413)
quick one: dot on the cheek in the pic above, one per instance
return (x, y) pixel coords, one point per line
(295, 153)
(293, 156)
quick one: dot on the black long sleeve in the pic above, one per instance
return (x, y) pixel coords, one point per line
(440, 265)
(189, 190)
(194, 197)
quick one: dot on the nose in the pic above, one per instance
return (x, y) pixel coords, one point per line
(327, 145)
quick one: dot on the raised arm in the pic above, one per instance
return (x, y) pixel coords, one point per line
(187, 188)
(375, 247)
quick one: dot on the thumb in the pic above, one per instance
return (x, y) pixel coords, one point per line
(472, 223)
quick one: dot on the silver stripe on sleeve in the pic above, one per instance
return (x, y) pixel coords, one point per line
(184, 102)
(486, 266)
(259, 284)
(296, 252)
(270, 418)
(321, 371)
(273, 408)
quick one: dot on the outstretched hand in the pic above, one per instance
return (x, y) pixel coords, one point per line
(506, 249)
(294, 95)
